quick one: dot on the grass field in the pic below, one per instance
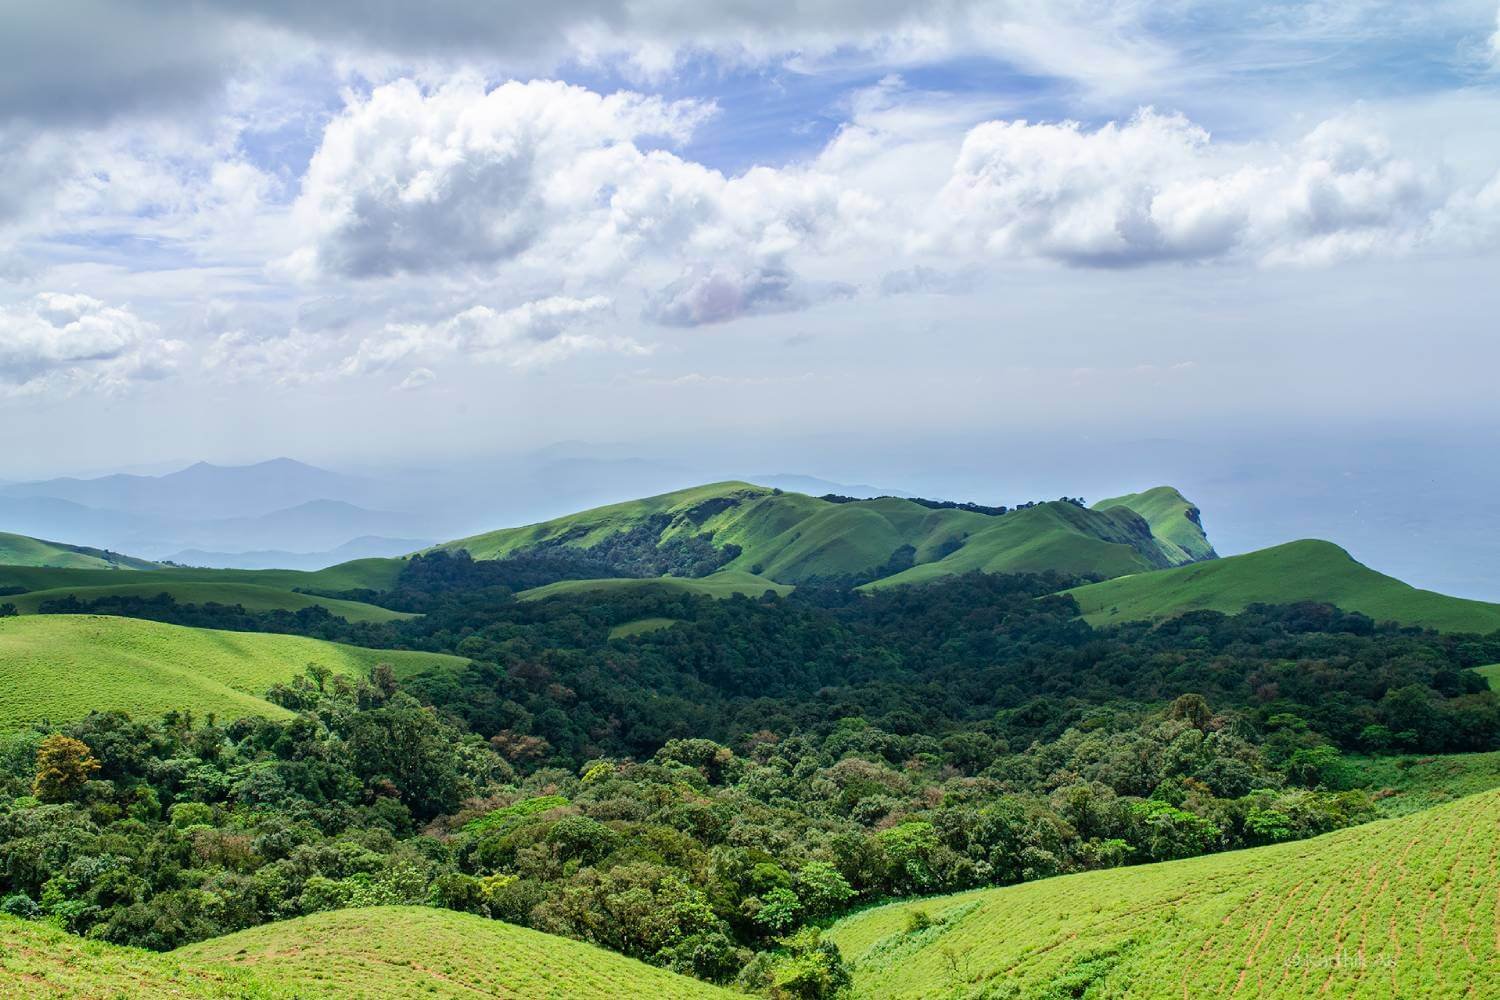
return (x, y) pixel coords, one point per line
(37, 960)
(791, 537)
(401, 953)
(1173, 519)
(21, 550)
(59, 667)
(411, 952)
(641, 626)
(1490, 673)
(1405, 907)
(1404, 785)
(1308, 570)
(370, 574)
(251, 596)
(725, 583)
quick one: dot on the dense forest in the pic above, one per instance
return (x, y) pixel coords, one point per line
(704, 795)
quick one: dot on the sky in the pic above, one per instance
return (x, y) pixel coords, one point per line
(381, 231)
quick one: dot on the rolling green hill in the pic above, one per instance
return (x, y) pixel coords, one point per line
(1173, 520)
(791, 538)
(1308, 570)
(366, 574)
(1490, 673)
(724, 583)
(252, 597)
(1403, 907)
(59, 667)
(21, 550)
(400, 953)
(410, 952)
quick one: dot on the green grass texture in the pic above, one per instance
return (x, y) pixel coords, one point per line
(725, 583)
(1404, 785)
(1308, 570)
(791, 537)
(60, 667)
(23, 550)
(400, 953)
(251, 596)
(366, 574)
(1396, 908)
(1490, 673)
(641, 626)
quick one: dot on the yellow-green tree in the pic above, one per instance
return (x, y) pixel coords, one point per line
(63, 766)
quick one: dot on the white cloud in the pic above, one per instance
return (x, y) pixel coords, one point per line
(705, 294)
(414, 181)
(64, 342)
(532, 334)
(1157, 188)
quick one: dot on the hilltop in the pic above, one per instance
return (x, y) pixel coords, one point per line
(396, 952)
(792, 538)
(1307, 570)
(1402, 907)
(61, 667)
(21, 550)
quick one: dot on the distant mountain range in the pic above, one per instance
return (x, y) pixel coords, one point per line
(288, 514)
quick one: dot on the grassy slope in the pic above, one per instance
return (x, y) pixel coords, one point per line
(59, 667)
(1490, 673)
(1057, 536)
(37, 960)
(253, 597)
(410, 952)
(641, 626)
(790, 537)
(1172, 517)
(1404, 785)
(1403, 907)
(724, 583)
(371, 574)
(383, 952)
(1297, 571)
(22, 550)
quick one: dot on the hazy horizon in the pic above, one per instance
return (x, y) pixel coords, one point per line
(987, 250)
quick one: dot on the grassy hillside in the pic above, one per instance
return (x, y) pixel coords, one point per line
(380, 952)
(371, 574)
(1404, 907)
(724, 583)
(1298, 571)
(411, 952)
(641, 626)
(253, 597)
(21, 550)
(1173, 520)
(791, 537)
(59, 667)
(37, 960)
(1403, 785)
(1056, 536)
(1490, 673)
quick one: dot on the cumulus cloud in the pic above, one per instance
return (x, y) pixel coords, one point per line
(531, 334)
(1156, 188)
(415, 181)
(69, 342)
(705, 294)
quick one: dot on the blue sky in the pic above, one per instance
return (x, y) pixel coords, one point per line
(459, 228)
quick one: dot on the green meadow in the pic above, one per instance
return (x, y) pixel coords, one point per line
(21, 550)
(251, 596)
(1396, 908)
(1307, 570)
(725, 583)
(641, 626)
(400, 953)
(61, 667)
(359, 574)
(791, 537)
